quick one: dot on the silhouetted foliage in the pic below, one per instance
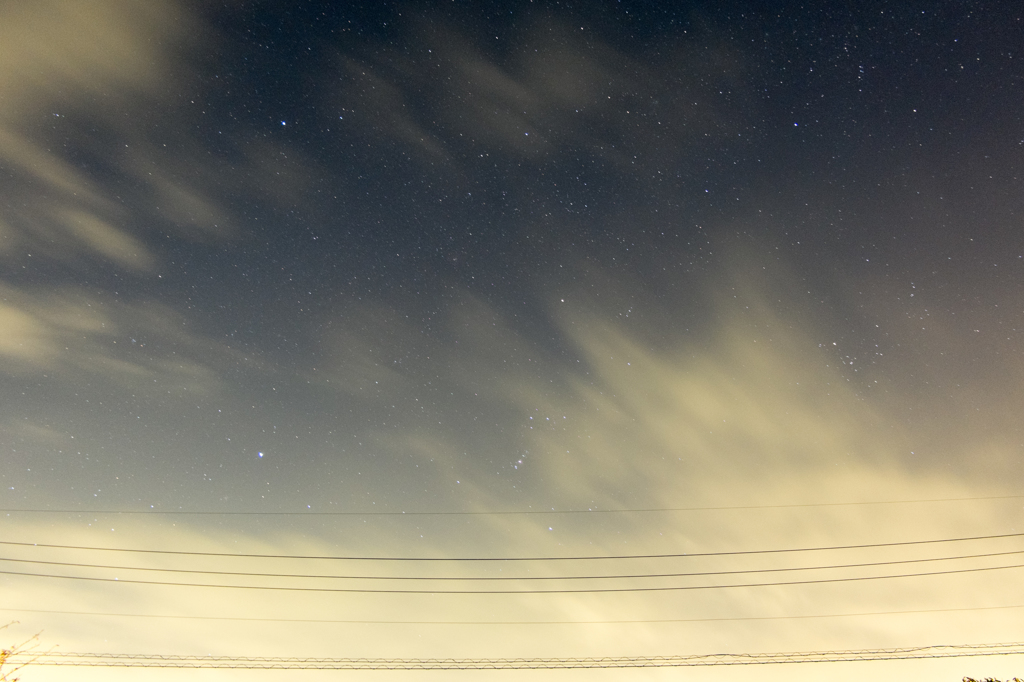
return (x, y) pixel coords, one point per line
(6, 653)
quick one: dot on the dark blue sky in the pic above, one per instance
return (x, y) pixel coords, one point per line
(262, 257)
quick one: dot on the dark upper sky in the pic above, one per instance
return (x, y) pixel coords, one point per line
(282, 257)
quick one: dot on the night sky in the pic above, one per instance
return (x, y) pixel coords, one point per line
(523, 280)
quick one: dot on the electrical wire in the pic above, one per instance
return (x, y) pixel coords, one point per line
(73, 659)
(594, 590)
(507, 578)
(327, 621)
(500, 512)
(906, 543)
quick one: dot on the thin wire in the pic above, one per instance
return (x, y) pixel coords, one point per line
(75, 659)
(571, 591)
(505, 577)
(503, 512)
(512, 622)
(553, 558)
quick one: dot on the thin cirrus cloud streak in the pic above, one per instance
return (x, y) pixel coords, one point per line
(95, 123)
(563, 92)
(77, 336)
(87, 64)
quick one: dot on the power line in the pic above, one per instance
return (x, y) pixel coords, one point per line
(594, 590)
(907, 543)
(294, 663)
(505, 578)
(179, 512)
(513, 622)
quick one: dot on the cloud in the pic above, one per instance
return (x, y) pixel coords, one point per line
(559, 89)
(96, 339)
(24, 337)
(752, 405)
(55, 51)
(728, 391)
(192, 211)
(107, 240)
(746, 411)
(82, 98)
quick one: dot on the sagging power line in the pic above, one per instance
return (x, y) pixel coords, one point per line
(507, 578)
(510, 512)
(595, 590)
(334, 621)
(675, 555)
